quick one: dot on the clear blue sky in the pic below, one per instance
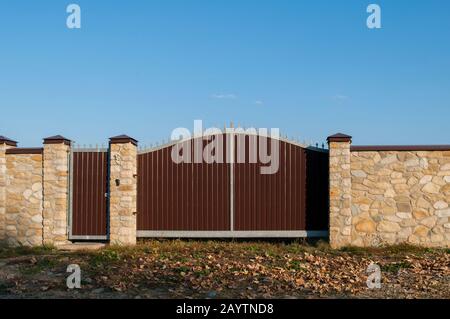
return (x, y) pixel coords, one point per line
(311, 68)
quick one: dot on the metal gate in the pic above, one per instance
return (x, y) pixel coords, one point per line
(181, 197)
(88, 194)
(232, 199)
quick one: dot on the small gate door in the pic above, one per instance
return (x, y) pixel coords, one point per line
(89, 195)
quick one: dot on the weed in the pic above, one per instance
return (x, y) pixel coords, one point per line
(355, 250)
(9, 252)
(295, 265)
(43, 264)
(182, 269)
(395, 267)
(406, 249)
(105, 256)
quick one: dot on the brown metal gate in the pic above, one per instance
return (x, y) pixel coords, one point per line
(272, 201)
(233, 199)
(294, 198)
(88, 195)
(182, 197)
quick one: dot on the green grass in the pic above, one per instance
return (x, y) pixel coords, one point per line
(395, 250)
(395, 267)
(10, 252)
(169, 249)
(295, 265)
(356, 250)
(407, 249)
(183, 269)
(104, 257)
(42, 264)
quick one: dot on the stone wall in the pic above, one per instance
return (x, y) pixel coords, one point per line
(56, 190)
(340, 190)
(123, 190)
(397, 194)
(2, 192)
(23, 218)
(400, 196)
(35, 185)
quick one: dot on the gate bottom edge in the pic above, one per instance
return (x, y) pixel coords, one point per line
(87, 237)
(233, 234)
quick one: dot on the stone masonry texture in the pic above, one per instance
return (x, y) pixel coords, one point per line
(56, 192)
(123, 193)
(400, 197)
(24, 200)
(340, 194)
(3, 175)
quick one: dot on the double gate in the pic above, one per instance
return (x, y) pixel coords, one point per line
(232, 198)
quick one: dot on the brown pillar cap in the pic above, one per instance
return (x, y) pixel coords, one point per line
(339, 137)
(7, 141)
(123, 139)
(57, 139)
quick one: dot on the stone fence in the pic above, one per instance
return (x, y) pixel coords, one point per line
(378, 194)
(34, 193)
(388, 194)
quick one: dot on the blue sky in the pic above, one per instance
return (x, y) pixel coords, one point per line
(311, 68)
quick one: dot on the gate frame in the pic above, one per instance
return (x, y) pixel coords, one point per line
(72, 237)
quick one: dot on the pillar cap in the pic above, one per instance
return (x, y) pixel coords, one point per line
(339, 137)
(7, 141)
(122, 139)
(57, 139)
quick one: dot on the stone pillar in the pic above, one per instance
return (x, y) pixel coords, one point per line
(340, 190)
(56, 190)
(5, 143)
(123, 190)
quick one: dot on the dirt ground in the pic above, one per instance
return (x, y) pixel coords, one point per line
(226, 269)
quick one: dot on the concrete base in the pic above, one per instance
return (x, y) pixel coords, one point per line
(81, 246)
